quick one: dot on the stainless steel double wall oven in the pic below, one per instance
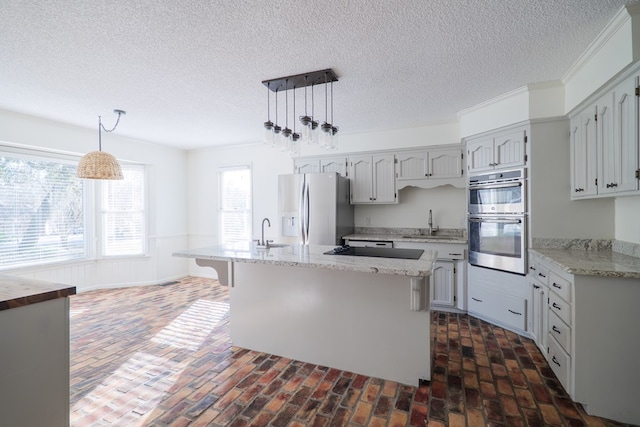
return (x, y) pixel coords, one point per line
(498, 220)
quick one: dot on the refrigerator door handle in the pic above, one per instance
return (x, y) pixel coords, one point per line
(301, 213)
(306, 213)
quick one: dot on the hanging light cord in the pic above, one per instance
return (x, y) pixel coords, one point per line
(326, 109)
(101, 127)
(268, 104)
(286, 104)
(277, 106)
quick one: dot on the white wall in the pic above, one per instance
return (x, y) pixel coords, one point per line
(203, 191)
(449, 206)
(434, 134)
(167, 203)
(627, 215)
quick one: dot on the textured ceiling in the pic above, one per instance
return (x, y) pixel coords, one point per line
(189, 72)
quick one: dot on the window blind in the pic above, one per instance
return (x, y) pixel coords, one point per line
(123, 214)
(235, 204)
(41, 211)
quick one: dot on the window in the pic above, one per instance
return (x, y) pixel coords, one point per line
(123, 214)
(41, 210)
(235, 204)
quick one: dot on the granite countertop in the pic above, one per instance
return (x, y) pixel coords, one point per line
(313, 256)
(17, 292)
(606, 263)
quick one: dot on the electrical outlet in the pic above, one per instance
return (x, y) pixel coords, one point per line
(367, 220)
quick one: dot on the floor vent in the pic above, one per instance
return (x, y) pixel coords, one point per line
(169, 283)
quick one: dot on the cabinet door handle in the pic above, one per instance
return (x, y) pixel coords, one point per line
(555, 361)
(454, 254)
(536, 287)
(556, 330)
(542, 275)
(514, 312)
(532, 268)
(555, 285)
(476, 299)
(556, 306)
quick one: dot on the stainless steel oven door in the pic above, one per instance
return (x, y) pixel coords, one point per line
(498, 197)
(498, 242)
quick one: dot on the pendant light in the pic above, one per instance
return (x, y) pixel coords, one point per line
(305, 120)
(100, 164)
(334, 129)
(294, 149)
(268, 125)
(314, 123)
(326, 128)
(286, 132)
(276, 129)
(310, 133)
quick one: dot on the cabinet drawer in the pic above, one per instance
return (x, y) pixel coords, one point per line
(560, 331)
(539, 272)
(560, 362)
(504, 308)
(560, 307)
(560, 286)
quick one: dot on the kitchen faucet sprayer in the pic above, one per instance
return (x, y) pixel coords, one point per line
(431, 230)
(262, 243)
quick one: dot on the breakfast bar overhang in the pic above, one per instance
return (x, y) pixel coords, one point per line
(365, 315)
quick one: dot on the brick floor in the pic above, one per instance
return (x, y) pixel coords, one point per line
(161, 356)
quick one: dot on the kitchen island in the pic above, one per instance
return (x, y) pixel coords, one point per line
(367, 315)
(34, 352)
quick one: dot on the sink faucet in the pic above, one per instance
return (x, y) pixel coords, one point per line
(431, 230)
(263, 242)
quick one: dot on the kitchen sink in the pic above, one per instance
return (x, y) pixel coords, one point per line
(277, 245)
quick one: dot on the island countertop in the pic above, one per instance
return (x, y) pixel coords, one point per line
(18, 292)
(313, 256)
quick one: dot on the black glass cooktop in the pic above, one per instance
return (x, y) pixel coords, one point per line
(377, 252)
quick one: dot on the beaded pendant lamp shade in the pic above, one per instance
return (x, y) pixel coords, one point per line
(99, 164)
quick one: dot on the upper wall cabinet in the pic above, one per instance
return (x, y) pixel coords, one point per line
(430, 168)
(373, 179)
(334, 164)
(323, 164)
(498, 151)
(306, 165)
(604, 143)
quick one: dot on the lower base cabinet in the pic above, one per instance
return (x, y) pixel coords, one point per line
(591, 338)
(449, 273)
(505, 309)
(443, 284)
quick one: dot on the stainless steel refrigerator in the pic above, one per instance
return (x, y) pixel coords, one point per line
(314, 208)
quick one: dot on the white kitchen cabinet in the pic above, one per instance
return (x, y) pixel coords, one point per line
(539, 312)
(583, 154)
(432, 164)
(443, 285)
(321, 164)
(303, 165)
(589, 320)
(604, 143)
(334, 164)
(503, 308)
(449, 272)
(372, 179)
(502, 150)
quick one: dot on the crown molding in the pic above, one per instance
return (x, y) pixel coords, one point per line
(622, 17)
